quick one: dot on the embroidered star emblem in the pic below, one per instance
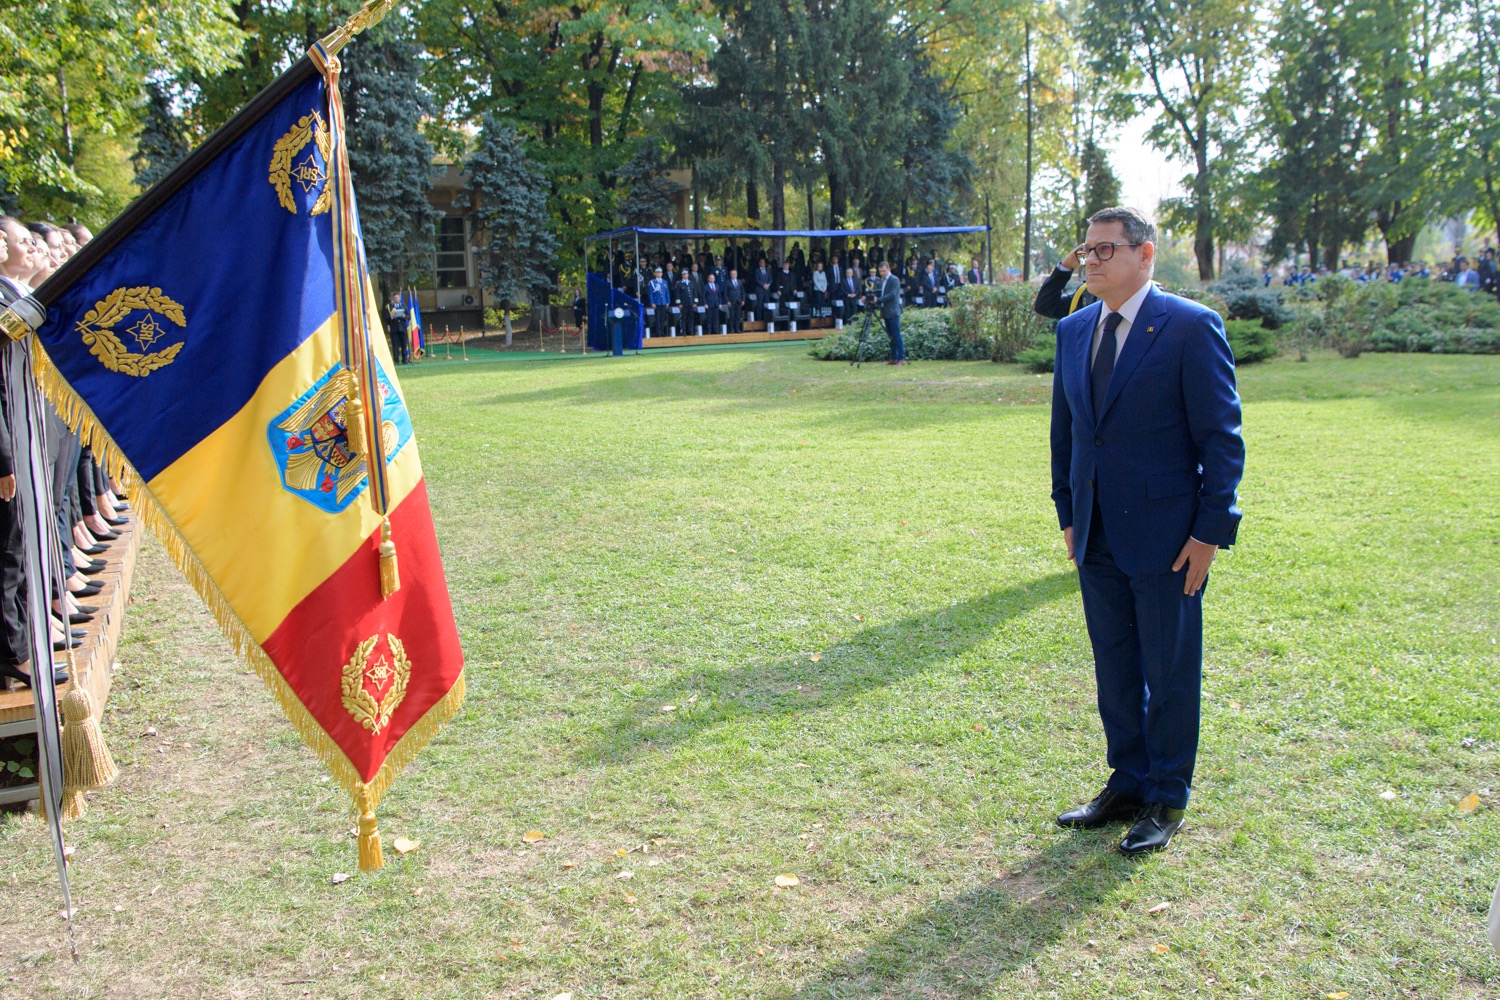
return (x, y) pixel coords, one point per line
(309, 174)
(147, 332)
(380, 671)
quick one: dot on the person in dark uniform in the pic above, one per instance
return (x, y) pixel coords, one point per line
(580, 310)
(1050, 300)
(734, 300)
(686, 302)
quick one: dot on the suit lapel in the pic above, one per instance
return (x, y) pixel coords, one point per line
(1148, 322)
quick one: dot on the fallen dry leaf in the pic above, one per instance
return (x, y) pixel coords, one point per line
(652, 862)
(859, 618)
(1159, 907)
(629, 899)
(570, 864)
(532, 836)
(1468, 803)
(621, 852)
(1340, 995)
(1234, 704)
(340, 877)
(692, 699)
(669, 708)
(760, 951)
(787, 881)
(404, 846)
(816, 657)
(1160, 949)
(1388, 795)
(626, 875)
(563, 996)
(660, 841)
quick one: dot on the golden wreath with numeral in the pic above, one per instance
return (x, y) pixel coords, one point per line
(309, 128)
(97, 327)
(361, 704)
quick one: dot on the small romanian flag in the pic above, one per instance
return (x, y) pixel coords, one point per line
(215, 346)
(417, 343)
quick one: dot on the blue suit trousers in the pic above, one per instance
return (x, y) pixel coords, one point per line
(1148, 654)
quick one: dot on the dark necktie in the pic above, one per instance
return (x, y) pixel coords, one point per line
(1104, 361)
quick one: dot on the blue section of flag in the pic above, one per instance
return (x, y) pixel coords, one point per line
(320, 444)
(253, 281)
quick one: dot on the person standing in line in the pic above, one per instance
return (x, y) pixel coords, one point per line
(395, 327)
(890, 312)
(1147, 457)
(734, 301)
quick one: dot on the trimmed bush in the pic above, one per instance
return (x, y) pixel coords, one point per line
(929, 335)
(1038, 358)
(999, 317)
(1250, 341)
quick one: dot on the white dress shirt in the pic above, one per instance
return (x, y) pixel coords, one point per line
(1128, 311)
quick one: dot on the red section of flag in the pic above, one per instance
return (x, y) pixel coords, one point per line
(313, 645)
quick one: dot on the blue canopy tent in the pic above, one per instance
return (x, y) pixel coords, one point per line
(604, 300)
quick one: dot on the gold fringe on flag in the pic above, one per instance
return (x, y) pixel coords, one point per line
(366, 795)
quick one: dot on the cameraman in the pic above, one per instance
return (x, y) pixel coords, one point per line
(890, 312)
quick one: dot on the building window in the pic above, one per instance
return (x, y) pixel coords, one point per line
(452, 265)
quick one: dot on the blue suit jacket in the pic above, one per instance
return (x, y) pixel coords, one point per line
(1165, 455)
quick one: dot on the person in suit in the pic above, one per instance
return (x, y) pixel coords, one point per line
(713, 298)
(927, 285)
(1050, 301)
(396, 328)
(1146, 461)
(734, 301)
(975, 276)
(762, 286)
(659, 294)
(890, 312)
(849, 291)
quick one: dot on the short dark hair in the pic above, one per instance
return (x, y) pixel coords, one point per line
(1138, 228)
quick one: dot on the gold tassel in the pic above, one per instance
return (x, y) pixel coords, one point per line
(390, 575)
(369, 843)
(86, 760)
(354, 426)
(73, 805)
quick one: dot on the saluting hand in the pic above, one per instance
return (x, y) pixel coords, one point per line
(1198, 556)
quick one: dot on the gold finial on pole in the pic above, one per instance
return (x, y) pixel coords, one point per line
(369, 15)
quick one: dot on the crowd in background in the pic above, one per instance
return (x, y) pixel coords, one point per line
(89, 506)
(1480, 275)
(684, 291)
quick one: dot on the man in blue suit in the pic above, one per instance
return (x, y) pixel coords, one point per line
(1146, 459)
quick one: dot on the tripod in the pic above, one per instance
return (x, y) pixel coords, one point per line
(864, 333)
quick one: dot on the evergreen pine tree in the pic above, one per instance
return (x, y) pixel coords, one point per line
(163, 142)
(508, 194)
(389, 157)
(650, 195)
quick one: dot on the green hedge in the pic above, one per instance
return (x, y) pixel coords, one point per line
(1248, 339)
(998, 316)
(929, 334)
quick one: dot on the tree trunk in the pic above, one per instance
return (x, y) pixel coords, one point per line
(1399, 251)
(752, 203)
(1203, 234)
(1026, 241)
(778, 206)
(838, 207)
(67, 124)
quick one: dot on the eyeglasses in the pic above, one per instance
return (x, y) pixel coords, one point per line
(1102, 251)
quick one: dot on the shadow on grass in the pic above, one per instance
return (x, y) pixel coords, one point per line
(960, 947)
(871, 658)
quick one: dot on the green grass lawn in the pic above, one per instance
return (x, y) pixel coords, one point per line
(850, 587)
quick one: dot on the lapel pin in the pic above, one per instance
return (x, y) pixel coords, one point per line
(1150, 329)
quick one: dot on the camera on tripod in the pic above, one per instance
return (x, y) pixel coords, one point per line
(871, 294)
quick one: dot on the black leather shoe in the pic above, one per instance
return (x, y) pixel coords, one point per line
(1153, 831)
(94, 550)
(1107, 807)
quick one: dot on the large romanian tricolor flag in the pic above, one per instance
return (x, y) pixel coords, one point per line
(219, 345)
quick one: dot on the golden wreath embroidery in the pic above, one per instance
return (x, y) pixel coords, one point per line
(360, 703)
(307, 173)
(97, 327)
